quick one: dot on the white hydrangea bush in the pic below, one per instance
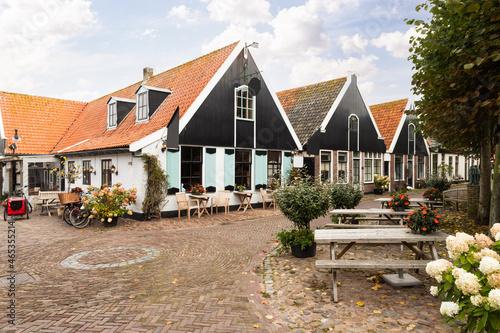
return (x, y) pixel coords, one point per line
(470, 286)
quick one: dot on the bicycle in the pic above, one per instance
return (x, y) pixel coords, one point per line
(79, 217)
(17, 204)
(67, 210)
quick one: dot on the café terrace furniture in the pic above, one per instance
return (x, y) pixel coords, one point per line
(377, 214)
(383, 237)
(184, 203)
(202, 201)
(220, 200)
(245, 197)
(267, 199)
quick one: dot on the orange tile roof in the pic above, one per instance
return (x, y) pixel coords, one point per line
(40, 121)
(308, 106)
(388, 116)
(187, 81)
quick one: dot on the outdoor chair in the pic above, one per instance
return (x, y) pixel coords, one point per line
(184, 203)
(267, 198)
(221, 200)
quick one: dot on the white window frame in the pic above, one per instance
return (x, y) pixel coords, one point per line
(409, 139)
(346, 180)
(330, 171)
(349, 132)
(244, 108)
(402, 167)
(372, 157)
(112, 115)
(420, 158)
(356, 158)
(138, 118)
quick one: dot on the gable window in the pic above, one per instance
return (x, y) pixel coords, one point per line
(342, 166)
(191, 166)
(353, 123)
(398, 167)
(86, 173)
(411, 139)
(245, 104)
(326, 165)
(243, 167)
(273, 165)
(353, 136)
(106, 173)
(112, 115)
(142, 106)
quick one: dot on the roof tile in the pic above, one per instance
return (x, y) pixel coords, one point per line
(388, 116)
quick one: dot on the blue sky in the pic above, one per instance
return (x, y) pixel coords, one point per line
(83, 49)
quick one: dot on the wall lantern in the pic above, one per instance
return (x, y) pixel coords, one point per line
(92, 170)
(113, 169)
(163, 146)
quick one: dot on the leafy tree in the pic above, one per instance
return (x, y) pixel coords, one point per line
(455, 57)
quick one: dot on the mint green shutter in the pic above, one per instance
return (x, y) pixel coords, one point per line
(210, 169)
(287, 164)
(229, 168)
(173, 171)
(260, 168)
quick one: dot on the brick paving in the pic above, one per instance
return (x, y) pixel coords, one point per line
(205, 279)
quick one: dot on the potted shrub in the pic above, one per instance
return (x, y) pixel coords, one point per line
(422, 220)
(470, 286)
(381, 183)
(109, 203)
(398, 202)
(198, 189)
(432, 193)
(273, 185)
(301, 202)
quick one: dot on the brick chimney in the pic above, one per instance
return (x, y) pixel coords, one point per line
(147, 72)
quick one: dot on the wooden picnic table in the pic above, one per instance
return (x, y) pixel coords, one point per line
(202, 200)
(245, 197)
(420, 202)
(403, 236)
(350, 215)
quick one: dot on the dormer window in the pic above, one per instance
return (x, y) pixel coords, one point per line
(149, 100)
(245, 103)
(112, 115)
(142, 106)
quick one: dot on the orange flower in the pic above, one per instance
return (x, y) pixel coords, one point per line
(407, 203)
(401, 196)
(405, 225)
(436, 221)
(424, 229)
(424, 212)
(438, 216)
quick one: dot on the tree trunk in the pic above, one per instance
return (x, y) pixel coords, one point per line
(495, 197)
(485, 179)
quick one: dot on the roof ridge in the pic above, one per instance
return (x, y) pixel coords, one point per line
(395, 101)
(314, 84)
(38, 96)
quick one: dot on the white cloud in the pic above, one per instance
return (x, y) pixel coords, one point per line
(393, 86)
(353, 44)
(184, 13)
(143, 34)
(32, 35)
(366, 87)
(240, 12)
(330, 6)
(318, 69)
(396, 43)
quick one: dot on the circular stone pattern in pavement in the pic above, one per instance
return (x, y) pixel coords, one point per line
(105, 258)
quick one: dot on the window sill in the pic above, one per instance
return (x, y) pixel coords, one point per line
(245, 119)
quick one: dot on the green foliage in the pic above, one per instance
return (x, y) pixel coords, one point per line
(4, 196)
(400, 201)
(343, 195)
(439, 181)
(288, 238)
(107, 202)
(432, 193)
(156, 187)
(302, 201)
(422, 220)
(381, 182)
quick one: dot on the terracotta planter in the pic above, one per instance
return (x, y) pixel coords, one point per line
(306, 253)
(113, 223)
(378, 191)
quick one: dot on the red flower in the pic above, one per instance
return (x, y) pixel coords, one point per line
(436, 221)
(296, 234)
(407, 203)
(424, 229)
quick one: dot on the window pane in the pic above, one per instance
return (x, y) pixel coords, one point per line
(368, 170)
(191, 167)
(242, 168)
(342, 166)
(355, 171)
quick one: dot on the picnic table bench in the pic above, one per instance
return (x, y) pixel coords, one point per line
(456, 195)
(414, 202)
(376, 214)
(386, 236)
(47, 200)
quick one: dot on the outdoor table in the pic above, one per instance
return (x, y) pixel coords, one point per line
(202, 200)
(47, 203)
(415, 242)
(421, 202)
(352, 214)
(245, 197)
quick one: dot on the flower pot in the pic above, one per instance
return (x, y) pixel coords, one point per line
(306, 253)
(378, 191)
(113, 223)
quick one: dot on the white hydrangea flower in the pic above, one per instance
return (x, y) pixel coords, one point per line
(457, 271)
(486, 253)
(483, 241)
(495, 229)
(489, 265)
(497, 237)
(494, 298)
(478, 300)
(457, 245)
(494, 280)
(466, 238)
(434, 290)
(449, 309)
(468, 283)
(436, 268)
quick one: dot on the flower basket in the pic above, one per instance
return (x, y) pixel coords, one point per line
(398, 202)
(66, 198)
(422, 220)
(198, 189)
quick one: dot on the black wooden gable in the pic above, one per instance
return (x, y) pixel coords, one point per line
(336, 134)
(214, 123)
(402, 145)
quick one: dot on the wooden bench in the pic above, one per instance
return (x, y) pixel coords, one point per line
(456, 195)
(361, 226)
(47, 200)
